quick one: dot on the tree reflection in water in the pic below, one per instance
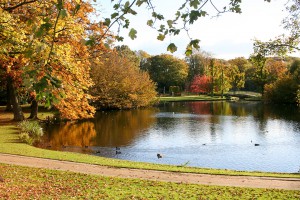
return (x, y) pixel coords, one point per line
(107, 129)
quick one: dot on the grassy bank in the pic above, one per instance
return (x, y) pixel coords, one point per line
(10, 144)
(190, 98)
(31, 183)
(246, 95)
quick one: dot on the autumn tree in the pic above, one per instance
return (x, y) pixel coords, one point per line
(219, 79)
(200, 84)
(120, 84)
(198, 64)
(47, 46)
(276, 68)
(126, 52)
(284, 90)
(260, 75)
(143, 57)
(167, 70)
(238, 68)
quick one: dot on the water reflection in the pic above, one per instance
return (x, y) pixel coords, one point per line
(207, 134)
(108, 129)
(120, 128)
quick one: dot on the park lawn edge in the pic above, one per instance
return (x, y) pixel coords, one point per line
(10, 144)
(190, 98)
(23, 182)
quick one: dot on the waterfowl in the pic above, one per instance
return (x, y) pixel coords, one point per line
(159, 156)
(118, 152)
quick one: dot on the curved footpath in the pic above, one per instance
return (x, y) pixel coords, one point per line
(222, 180)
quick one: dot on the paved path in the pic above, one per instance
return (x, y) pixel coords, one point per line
(222, 180)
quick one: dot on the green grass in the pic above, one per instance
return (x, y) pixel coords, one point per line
(32, 183)
(190, 98)
(10, 144)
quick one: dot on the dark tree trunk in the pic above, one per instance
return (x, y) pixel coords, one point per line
(9, 107)
(34, 109)
(17, 110)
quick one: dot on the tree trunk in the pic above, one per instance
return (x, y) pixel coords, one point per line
(17, 110)
(34, 109)
(212, 77)
(9, 107)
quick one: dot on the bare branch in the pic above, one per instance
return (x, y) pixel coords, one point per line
(9, 9)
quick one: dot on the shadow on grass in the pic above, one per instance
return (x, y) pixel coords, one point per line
(14, 141)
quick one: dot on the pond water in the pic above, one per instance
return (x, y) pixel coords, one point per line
(229, 135)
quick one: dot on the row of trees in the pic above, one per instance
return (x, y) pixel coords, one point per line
(201, 73)
(48, 48)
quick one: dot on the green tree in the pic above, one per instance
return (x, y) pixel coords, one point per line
(283, 90)
(260, 75)
(198, 64)
(167, 70)
(238, 68)
(295, 72)
(126, 52)
(143, 56)
(294, 69)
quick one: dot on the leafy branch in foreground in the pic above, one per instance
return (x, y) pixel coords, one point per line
(187, 14)
(283, 44)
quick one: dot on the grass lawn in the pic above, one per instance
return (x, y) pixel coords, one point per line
(31, 183)
(247, 95)
(191, 98)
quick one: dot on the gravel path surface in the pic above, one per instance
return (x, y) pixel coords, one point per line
(222, 180)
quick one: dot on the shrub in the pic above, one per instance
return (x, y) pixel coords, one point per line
(282, 91)
(30, 131)
(174, 90)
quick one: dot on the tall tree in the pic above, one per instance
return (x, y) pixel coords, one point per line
(260, 75)
(120, 84)
(200, 85)
(167, 70)
(238, 68)
(126, 52)
(143, 56)
(198, 64)
(51, 42)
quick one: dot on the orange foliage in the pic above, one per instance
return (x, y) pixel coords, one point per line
(119, 84)
(47, 42)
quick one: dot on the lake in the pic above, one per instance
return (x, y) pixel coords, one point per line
(239, 135)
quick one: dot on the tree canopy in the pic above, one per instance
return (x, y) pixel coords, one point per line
(120, 84)
(166, 70)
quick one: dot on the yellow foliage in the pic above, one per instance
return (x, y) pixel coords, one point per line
(119, 84)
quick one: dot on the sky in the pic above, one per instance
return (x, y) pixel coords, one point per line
(227, 36)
